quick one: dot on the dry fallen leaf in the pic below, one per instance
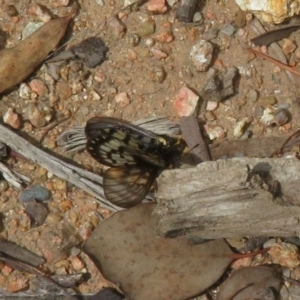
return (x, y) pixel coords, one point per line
(250, 282)
(19, 62)
(128, 252)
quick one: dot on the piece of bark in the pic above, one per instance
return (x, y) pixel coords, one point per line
(18, 252)
(186, 10)
(192, 135)
(218, 199)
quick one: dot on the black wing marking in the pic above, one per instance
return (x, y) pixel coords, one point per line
(127, 187)
(117, 143)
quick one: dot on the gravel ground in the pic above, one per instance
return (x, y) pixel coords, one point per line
(147, 63)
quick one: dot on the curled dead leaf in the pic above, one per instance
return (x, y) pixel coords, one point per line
(18, 62)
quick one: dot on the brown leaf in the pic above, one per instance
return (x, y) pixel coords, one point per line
(127, 250)
(250, 282)
(19, 62)
(274, 35)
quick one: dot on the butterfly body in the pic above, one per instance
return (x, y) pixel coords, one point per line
(136, 157)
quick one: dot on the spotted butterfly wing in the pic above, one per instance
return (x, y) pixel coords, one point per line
(136, 157)
(126, 187)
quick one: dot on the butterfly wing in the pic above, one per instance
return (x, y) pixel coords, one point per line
(128, 186)
(117, 143)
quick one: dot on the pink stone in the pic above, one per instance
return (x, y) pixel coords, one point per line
(185, 102)
(157, 6)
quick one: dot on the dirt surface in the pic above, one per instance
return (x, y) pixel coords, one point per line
(82, 93)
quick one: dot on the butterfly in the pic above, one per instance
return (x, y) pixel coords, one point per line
(136, 157)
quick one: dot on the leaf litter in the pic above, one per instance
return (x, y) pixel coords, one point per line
(18, 62)
(145, 266)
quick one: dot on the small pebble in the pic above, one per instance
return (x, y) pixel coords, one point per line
(267, 100)
(53, 218)
(164, 37)
(122, 99)
(158, 74)
(3, 186)
(129, 2)
(63, 90)
(288, 46)
(40, 11)
(201, 55)
(284, 254)
(240, 19)
(117, 27)
(75, 251)
(252, 96)
(147, 27)
(11, 118)
(38, 86)
(37, 192)
(211, 105)
(281, 117)
(297, 53)
(150, 42)
(185, 102)
(158, 54)
(214, 132)
(24, 91)
(133, 39)
(77, 263)
(172, 2)
(197, 17)
(210, 34)
(228, 30)
(269, 243)
(37, 212)
(30, 28)
(240, 126)
(37, 116)
(157, 6)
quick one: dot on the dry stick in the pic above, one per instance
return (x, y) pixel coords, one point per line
(280, 151)
(85, 180)
(49, 127)
(275, 61)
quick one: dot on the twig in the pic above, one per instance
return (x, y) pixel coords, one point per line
(87, 181)
(49, 127)
(275, 61)
(14, 178)
(274, 47)
(288, 141)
